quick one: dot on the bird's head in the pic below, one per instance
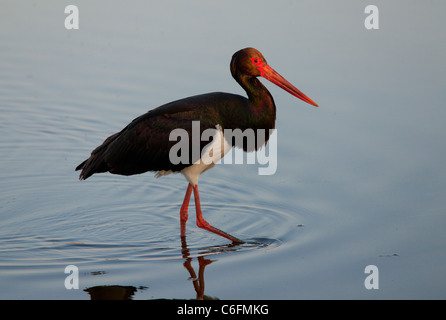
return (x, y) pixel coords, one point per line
(250, 62)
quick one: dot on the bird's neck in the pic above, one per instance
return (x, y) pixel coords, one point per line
(261, 103)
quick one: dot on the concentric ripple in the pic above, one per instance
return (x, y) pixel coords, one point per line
(144, 233)
(153, 232)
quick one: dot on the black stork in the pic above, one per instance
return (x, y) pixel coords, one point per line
(144, 144)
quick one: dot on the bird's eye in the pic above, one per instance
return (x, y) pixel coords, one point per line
(256, 61)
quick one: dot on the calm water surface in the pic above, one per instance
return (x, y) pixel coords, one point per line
(360, 181)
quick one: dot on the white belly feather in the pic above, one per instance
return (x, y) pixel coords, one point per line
(210, 155)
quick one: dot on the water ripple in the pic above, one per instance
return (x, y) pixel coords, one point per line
(144, 233)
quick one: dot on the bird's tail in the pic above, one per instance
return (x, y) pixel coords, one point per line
(97, 162)
(81, 166)
(83, 175)
(90, 167)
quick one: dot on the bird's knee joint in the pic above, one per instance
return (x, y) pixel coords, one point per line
(203, 224)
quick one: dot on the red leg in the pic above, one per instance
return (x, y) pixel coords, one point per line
(204, 224)
(183, 210)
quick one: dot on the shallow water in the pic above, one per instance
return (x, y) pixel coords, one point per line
(360, 180)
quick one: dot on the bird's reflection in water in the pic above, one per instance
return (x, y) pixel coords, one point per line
(117, 292)
(198, 282)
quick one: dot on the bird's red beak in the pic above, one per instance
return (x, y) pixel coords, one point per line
(270, 74)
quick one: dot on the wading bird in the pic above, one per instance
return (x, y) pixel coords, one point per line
(144, 144)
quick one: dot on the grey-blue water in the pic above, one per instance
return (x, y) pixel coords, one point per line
(360, 180)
